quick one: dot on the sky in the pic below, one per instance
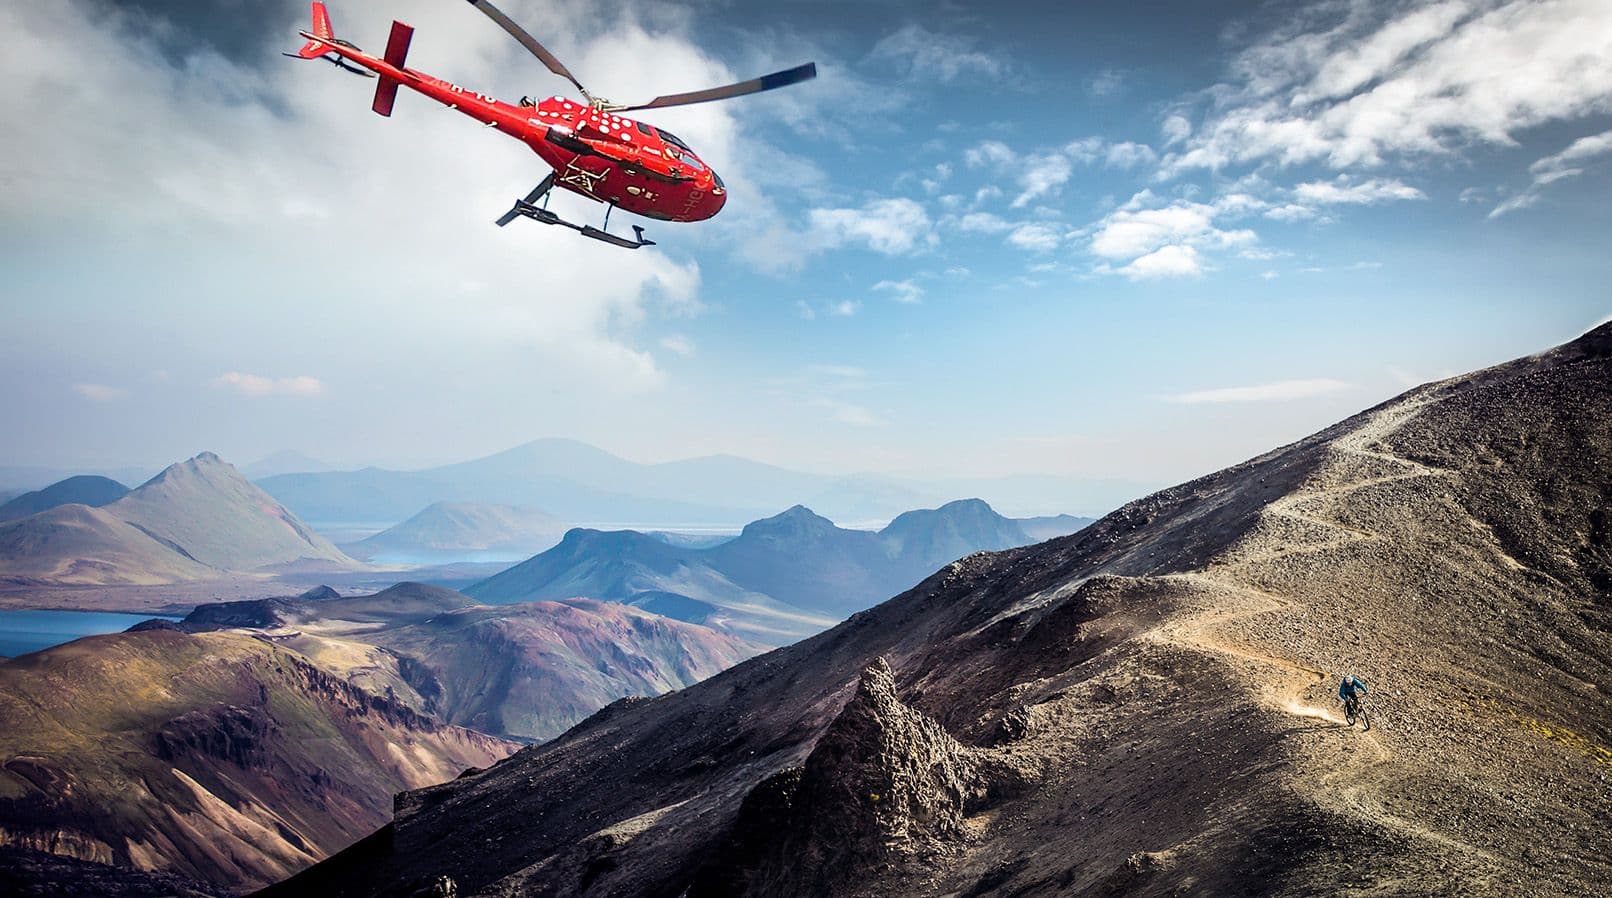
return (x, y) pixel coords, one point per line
(1098, 240)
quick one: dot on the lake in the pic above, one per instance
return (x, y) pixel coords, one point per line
(22, 632)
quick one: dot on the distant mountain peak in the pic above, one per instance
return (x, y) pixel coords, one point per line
(798, 513)
(82, 489)
(202, 463)
(967, 505)
(793, 521)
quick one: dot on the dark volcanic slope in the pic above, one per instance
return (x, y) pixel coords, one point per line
(25, 873)
(214, 756)
(1144, 708)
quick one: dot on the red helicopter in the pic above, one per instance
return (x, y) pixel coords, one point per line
(594, 152)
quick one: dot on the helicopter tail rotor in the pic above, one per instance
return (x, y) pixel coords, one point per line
(320, 38)
(320, 41)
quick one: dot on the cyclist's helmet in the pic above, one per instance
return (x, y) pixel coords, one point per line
(1349, 678)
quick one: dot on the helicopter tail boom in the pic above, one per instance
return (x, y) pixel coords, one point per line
(397, 50)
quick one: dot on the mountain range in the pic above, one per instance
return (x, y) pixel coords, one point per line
(581, 483)
(463, 531)
(196, 520)
(1146, 707)
(83, 489)
(780, 579)
(285, 461)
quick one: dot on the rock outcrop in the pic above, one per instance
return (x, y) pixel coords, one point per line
(885, 784)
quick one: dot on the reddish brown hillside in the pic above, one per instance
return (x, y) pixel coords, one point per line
(215, 756)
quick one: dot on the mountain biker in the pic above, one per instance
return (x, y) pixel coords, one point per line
(1351, 689)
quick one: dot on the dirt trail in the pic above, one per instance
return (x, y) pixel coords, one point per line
(1210, 629)
(1344, 775)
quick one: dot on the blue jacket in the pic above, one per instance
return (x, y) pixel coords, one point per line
(1345, 691)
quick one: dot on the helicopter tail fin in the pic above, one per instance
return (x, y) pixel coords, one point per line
(321, 30)
(397, 50)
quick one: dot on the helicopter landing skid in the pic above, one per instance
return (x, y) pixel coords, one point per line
(528, 208)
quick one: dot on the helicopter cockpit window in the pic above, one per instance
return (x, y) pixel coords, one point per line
(685, 156)
(645, 129)
(671, 138)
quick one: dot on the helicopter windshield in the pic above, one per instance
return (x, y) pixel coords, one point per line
(672, 139)
(686, 157)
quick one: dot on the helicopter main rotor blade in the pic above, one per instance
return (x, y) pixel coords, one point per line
(529, 42)
(753, 86)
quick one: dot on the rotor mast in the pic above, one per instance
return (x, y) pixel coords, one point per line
(737, 89)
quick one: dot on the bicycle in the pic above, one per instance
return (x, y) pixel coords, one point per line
(1353, 710)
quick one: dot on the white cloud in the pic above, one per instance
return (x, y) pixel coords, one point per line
(679, 344)
(901, 291)
(942, 57)
(1175, 129)
(1128, 234)
(258, 385)
(1086, 150)
(990, 152)
(1557, 167)
(1171, 261)
(848, 412)
(1290, 212)
(845, 308)
(1039, 238)
(1579, 151)
(983, 223)
(1342, 190)
(100, 392)
(1279, 391)
(1512, 204)
(1130, 155)
(1105, 83)
(1043, 174)
(889, 226)
(1039, 175)
(1389, 81)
